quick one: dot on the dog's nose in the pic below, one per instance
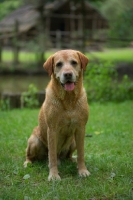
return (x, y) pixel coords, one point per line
(68, 75)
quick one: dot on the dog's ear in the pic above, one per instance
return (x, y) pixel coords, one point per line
(83, 59)
(48, 65)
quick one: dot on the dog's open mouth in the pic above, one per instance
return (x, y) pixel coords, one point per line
(69, 86)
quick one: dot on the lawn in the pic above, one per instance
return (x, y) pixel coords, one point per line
(112, 55)
(7, 56)
(108, 155)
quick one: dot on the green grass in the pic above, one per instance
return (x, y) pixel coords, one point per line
(115, 55)
(7, 56)
(108, 155)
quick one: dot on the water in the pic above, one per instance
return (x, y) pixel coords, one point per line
(17, 84)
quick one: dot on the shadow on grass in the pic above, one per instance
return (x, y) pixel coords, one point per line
(66, 168)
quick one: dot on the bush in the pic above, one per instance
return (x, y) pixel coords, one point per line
(119, 14)
(29, 98)
(5, 104)
(121, 31)
(102, 84)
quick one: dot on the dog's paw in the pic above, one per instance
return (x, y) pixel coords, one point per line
(27, 163)
(84, 173)
(53, 177)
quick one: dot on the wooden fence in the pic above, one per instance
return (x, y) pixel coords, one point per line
(60, 40)
(18, 41)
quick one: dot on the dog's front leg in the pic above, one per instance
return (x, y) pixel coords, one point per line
(79, 137)
(52, 153)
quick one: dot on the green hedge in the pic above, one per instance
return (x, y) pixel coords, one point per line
(102, 84)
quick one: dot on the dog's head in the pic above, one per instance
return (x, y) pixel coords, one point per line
(66, 65)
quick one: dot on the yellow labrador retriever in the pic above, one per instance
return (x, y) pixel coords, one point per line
(63, 115)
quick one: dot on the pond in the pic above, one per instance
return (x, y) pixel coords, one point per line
(20, 83)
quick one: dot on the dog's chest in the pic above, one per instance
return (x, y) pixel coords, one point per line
(74, 116)
(70, 118)
(67, 125)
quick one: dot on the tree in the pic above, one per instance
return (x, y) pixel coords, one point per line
(120, 16)
(112, 9)
(7, 7)
(83, 10)
(40, 7)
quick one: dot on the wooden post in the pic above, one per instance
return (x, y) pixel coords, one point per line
(58, 39)
(72, 24)
(47, 31)
(0, 51)
(42, 31)
(84, 25)
(15, 43)
(48, 21)
(80, 33)
(93, 26)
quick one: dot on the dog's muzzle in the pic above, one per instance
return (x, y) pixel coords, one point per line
(68, 81)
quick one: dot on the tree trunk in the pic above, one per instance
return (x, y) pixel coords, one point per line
(42, 32)
(15, 44)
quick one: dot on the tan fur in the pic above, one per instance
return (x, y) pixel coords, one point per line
(63, 115)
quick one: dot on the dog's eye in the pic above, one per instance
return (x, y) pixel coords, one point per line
(59, 64)
(73, 62)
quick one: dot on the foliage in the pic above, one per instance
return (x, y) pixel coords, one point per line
(29, 98)
(120, 21)
(4, 104)
(122, 28)
(96, 3)
(112, 9)
(6, 7)
(108, 157)
(102, 84)
(37, 3)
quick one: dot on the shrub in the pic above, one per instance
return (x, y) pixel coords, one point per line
(102, 84)
(29, 98)
(120, 18)
(5, 104)
(121, 31)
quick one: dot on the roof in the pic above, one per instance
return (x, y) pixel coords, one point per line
(28, 16)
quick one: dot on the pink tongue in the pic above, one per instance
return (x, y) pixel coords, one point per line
(69, 86)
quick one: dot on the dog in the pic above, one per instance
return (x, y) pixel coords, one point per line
(63, 115)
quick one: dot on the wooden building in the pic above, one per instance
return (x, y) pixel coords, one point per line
(63, 20)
